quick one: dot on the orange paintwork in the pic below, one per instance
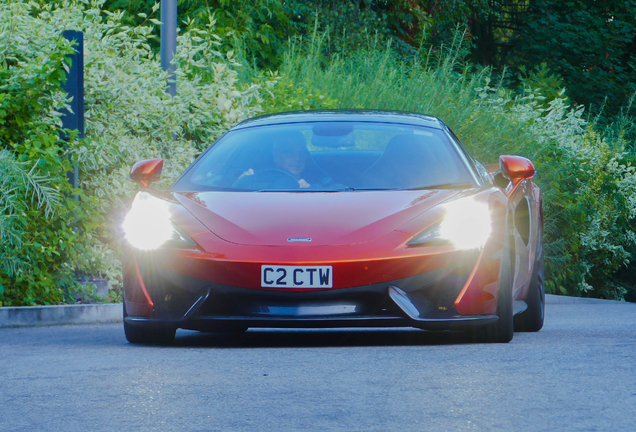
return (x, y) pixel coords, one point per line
(516, 167)
(387, 258)
(146, 171)
(269, 219)
(352, 266)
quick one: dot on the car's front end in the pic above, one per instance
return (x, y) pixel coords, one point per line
(405, 275)
(324, 220)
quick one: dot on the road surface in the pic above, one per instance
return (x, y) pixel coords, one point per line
(577, 374)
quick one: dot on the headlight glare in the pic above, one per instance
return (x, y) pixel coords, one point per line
(147, 225)
(467, 225)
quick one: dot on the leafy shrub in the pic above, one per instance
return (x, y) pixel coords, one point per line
(589, 43)
(39, 243)
(590, 201)
(129, 117)
(21, 189)
(259, 27)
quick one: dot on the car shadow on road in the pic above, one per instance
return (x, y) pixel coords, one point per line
(318, 338)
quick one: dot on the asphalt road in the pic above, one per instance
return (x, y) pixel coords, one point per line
(577, 374)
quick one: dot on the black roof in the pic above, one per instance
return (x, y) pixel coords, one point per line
(379, 116)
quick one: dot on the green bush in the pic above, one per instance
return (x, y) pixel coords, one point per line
(590, 201)
(129, 117)
(21, 189)
(42, 228)
(259, 27)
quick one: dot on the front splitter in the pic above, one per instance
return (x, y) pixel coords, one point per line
(225, 323)
(390, 306)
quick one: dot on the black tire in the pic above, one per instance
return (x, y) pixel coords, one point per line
(531, 320)
(503, 330)
(149, 336)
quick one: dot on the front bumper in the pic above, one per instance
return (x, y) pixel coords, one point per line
(156, 296)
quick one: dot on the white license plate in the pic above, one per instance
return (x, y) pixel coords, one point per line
(273, 276)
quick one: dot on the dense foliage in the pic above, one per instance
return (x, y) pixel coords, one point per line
(128, 117)
(260, 27)
(589, 45)
(403, 54)
(42, 230)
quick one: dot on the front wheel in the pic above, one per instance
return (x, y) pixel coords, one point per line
(531, 320)
(503, 330)
(149, 336)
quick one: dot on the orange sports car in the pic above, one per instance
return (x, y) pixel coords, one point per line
(336, 219)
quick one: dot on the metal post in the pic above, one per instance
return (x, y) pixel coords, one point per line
(169, 42)
(74, 87)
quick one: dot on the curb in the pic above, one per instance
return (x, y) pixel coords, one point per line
(557, 299)
(55, 315)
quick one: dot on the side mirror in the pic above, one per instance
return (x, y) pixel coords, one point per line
(146, 172)
(516, 168)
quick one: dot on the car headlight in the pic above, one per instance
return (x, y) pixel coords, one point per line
(467, 225)
(147, 225)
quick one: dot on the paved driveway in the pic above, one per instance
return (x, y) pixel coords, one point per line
(577, 374)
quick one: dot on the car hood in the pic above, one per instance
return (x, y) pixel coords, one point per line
(288, 218)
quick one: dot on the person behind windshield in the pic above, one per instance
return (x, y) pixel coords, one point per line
(290, 154)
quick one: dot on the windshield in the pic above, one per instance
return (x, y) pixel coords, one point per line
(329, 156)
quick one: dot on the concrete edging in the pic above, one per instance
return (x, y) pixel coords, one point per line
(557, 299)
(56, 315)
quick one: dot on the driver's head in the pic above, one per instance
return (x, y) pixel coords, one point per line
(290, 152)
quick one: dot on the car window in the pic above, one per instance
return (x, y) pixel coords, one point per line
(329, 156)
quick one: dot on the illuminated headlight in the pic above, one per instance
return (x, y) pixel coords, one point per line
(147, 225)
(467, 225)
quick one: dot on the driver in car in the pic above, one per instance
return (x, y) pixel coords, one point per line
(291, 155)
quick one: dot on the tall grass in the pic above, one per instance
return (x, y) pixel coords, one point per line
(430, 83)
